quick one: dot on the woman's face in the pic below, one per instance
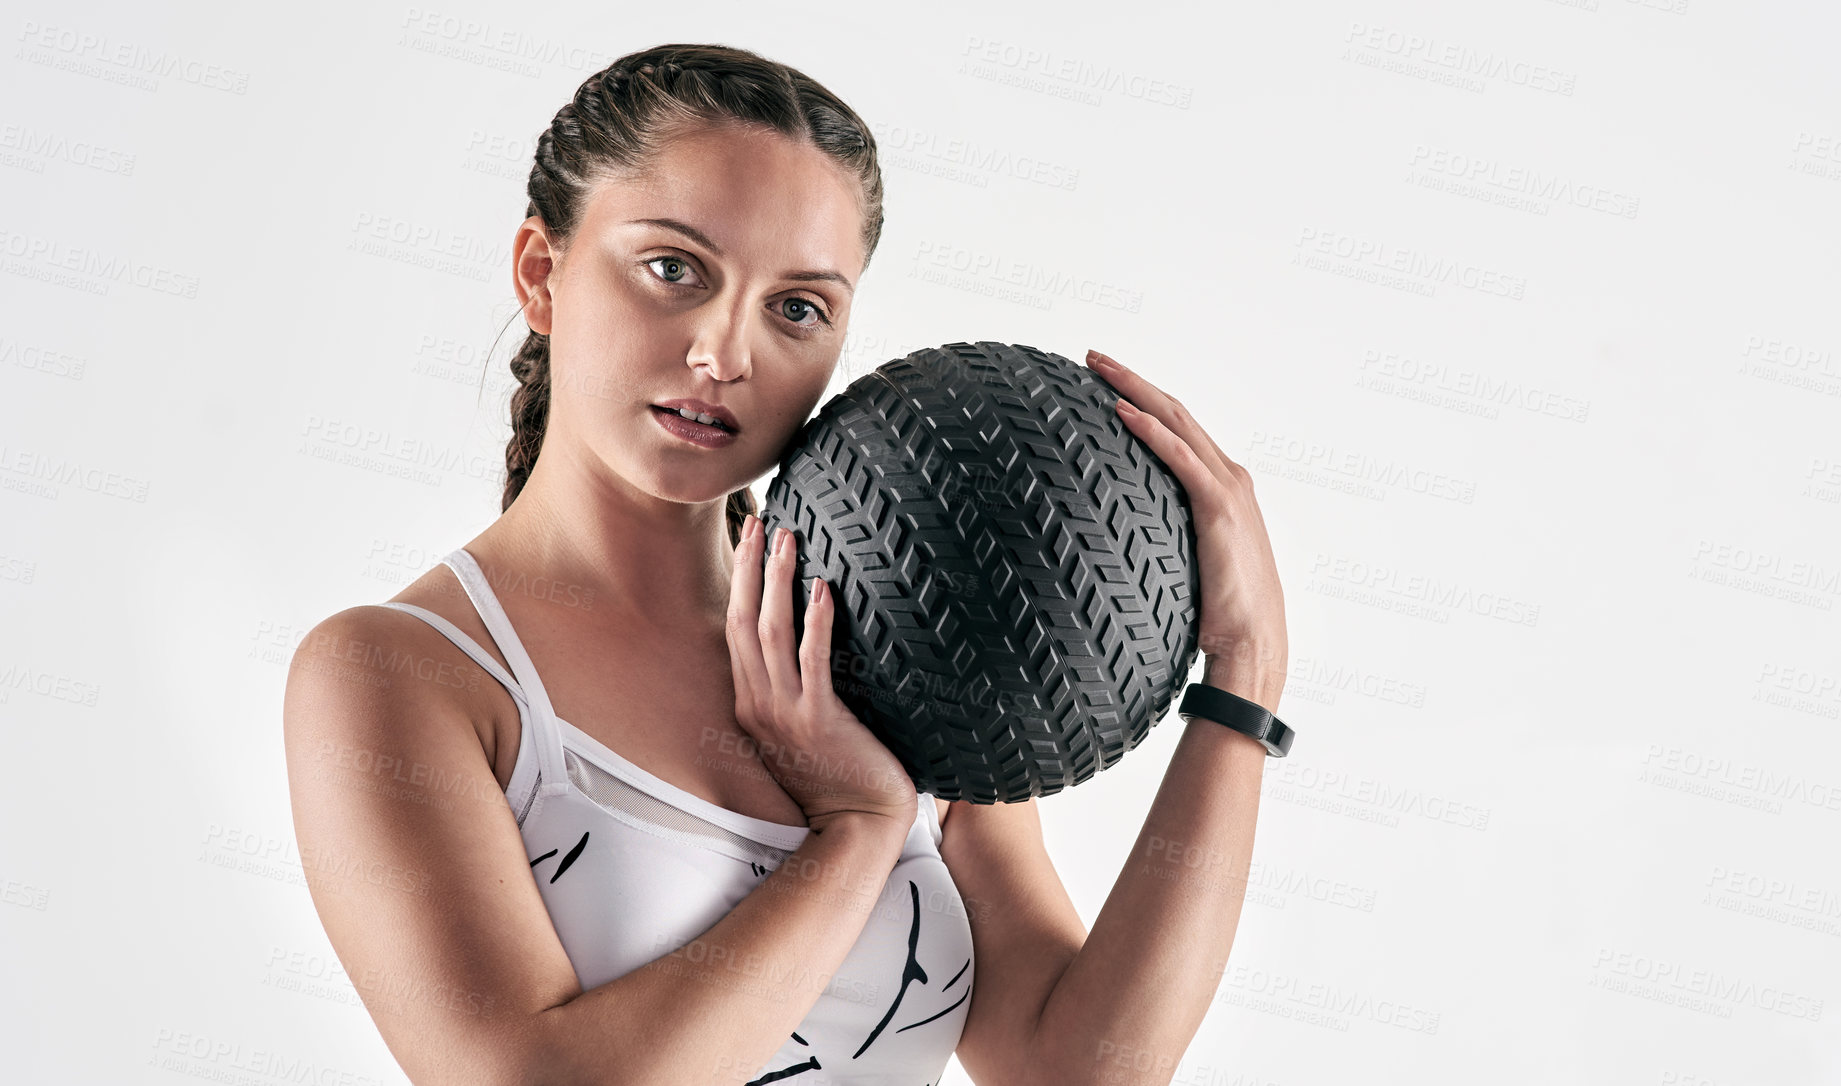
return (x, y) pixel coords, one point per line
(750, 315)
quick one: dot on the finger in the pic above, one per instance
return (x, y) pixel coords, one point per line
(815, 645)
(1199, 479)
(1141, 392)
(743, 628)
(776, 625)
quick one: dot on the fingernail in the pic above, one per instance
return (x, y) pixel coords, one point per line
(1128, 407)
(780, 541)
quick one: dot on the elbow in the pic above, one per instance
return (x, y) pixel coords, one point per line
(533, 1056)
(540, 1053)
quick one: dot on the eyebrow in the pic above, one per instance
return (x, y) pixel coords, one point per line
(703, 239)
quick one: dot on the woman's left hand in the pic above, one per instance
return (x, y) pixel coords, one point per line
(1242, 617)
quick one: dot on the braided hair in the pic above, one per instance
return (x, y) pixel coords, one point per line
(618, 119)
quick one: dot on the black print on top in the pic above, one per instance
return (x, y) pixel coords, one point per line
(567, 860)
(910, 971)
(810, 1064)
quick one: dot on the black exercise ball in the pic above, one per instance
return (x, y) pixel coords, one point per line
(1012, 569)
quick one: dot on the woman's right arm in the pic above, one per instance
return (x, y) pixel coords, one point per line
(419, 874)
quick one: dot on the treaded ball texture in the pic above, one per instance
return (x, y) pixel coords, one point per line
(1012, 568)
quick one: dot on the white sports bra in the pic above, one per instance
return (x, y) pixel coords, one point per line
(632, 867)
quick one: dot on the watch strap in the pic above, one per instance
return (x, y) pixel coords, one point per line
(1237, 713)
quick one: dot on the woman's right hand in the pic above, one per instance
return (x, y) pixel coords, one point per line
(813, 745)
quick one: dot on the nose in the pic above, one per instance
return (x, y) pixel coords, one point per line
(719, 346)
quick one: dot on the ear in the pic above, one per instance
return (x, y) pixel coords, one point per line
(534, 257)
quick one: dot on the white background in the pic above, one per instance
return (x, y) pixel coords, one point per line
(1522, 314)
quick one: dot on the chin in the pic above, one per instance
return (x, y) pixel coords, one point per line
(684, 487)
(681, 474)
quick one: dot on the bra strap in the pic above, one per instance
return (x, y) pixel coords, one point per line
(466, 644)
(554, 776)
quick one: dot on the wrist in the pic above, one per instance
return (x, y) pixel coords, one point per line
(859, 826)
(1239, 713)
(1256, 674)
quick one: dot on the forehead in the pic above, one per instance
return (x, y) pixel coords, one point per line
(761, 197)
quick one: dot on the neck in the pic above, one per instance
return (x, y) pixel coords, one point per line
(577, 532)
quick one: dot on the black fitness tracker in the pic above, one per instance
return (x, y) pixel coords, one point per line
(1236, 712)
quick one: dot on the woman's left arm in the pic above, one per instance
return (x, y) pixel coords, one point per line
(1129, 1001)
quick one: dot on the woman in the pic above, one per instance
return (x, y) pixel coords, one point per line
(594, 875)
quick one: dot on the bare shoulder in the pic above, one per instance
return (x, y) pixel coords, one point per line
(413, 859)
(377, 648)
(369, 653)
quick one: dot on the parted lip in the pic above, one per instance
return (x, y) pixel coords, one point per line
(703, 407)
